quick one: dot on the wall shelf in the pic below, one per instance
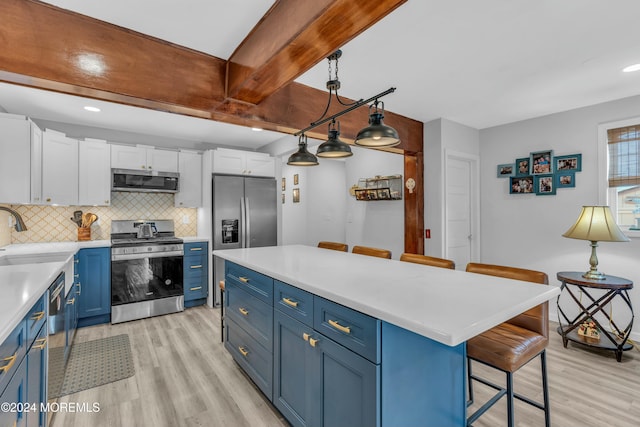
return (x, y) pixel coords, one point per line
(378, 188)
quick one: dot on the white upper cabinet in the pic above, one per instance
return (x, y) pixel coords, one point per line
(143, 157)
(36, 165)
(94, 173)
(190, 168)
(238, 162)
(59, 169)
(16, 132)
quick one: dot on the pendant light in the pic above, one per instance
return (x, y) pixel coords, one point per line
(333, 147)
(302, 157)
(377, 134)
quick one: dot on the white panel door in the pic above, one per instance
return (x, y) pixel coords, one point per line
(94, 172)
(15, 147)
(190, 168)
(162, 160)
(128, 157)
(59, 169)
(260, 164)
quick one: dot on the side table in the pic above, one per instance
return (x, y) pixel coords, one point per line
(614, 339)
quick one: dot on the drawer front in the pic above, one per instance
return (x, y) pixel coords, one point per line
(35, 319)
(354, 330)
(195, 289)
(293, 302)
(252, 357)
(257, 284)
(254, 316)
(195, 249)
(12, 351)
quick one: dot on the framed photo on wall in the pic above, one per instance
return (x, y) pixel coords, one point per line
(541, 162)
(545, 185)
(506, 170)
(571, 162)
(565, 179)
(521, 185)
(522, 167)
(296, 195)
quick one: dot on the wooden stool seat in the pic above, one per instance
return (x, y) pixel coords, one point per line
(428, 260)
(343, 247)
(377, 252)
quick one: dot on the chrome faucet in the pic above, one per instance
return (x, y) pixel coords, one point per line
(19, 225)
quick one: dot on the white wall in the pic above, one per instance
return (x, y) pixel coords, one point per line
(525, 230)
(295, 221)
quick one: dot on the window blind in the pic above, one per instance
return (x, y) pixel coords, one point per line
(624, 156)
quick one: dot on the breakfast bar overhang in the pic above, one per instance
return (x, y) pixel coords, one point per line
(425, 315)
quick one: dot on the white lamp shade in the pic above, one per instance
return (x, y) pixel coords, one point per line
(596, 223)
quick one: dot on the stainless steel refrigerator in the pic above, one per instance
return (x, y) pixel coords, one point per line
(244, 215)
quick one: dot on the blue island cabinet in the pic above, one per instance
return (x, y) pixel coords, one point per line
(196, 273)
(93, 280)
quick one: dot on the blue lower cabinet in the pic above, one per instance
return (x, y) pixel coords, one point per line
(94, 286)
(37, 380)
(15, 394)
(196, 273)
(70, 319)
(318, 382)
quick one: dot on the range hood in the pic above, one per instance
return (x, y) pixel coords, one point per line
(144, 181)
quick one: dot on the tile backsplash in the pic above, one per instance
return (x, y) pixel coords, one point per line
(53, 223)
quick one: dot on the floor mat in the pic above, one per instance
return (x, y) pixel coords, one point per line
(91, 364)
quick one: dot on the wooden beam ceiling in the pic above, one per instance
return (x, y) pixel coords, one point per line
(55, 49)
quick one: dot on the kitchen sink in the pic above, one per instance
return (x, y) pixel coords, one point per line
(34, 258)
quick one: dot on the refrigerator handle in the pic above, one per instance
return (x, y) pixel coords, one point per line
(247, 221)
(243, 218)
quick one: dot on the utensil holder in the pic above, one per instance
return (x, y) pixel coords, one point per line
(84, 233)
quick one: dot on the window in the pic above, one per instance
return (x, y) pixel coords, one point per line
(622, 146)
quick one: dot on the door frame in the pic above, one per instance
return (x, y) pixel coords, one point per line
(474, 203)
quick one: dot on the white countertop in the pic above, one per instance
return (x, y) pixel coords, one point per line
(22, 285)
(445, 305)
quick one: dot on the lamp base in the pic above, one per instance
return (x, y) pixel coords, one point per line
(594, 275)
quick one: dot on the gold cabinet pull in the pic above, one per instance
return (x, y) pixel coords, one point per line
(335, 324)
(196, 266)
(290, 302)
(79, 291)
(243, 351)
(305, 336)
(40, 344)
(243, 311)
(313, 342)
(195, 249)
(71, 301)
(37, 316)
(197, 288)
(11, 361)
(244, 279)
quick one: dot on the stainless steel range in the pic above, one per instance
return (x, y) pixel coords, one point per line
(146, 269)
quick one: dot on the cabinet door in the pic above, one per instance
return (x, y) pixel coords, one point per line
(70, 320)
(94, 282)
(59, 169)
(36, 165)
(128, 157)
(260, 164)
(162, 160)
(94, 173)
(36, 380)
(294, 371)
(15, 159)
(16, 392)
(190, 168)
(229, 161)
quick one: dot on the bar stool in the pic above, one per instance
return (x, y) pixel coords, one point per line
(221, 286)
(364, 250)
(428, 260)
(511, 345)
(334, 246)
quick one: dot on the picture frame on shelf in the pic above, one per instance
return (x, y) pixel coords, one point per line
(361, 194)
(372, 194)
(545, 185)
(521, 185)
(565, 179)
(522, 167)
(505, 170)
(384, 194)
(541, 162)
(570, 162)
(296, 195)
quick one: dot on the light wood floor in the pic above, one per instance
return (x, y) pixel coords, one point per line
(184, 377)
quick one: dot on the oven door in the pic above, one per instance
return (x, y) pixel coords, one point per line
(145, 277)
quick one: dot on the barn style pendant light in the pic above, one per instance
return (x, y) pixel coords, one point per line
(302, 157)
(377, 134)
(333, 147)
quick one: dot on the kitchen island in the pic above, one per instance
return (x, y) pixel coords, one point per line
(396, 330)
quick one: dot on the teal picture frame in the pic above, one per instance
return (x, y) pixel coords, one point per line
(506, 169)
(565, 179)
(545, 185)
(570, 162)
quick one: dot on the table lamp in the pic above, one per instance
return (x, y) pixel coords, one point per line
(595, 224)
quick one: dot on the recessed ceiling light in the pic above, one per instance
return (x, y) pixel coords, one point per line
(256, 129)
(631, 68)
(92, 109)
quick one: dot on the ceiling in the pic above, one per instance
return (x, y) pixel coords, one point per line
(481, 64)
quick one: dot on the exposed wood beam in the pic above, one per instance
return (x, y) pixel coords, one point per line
(292, 37)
